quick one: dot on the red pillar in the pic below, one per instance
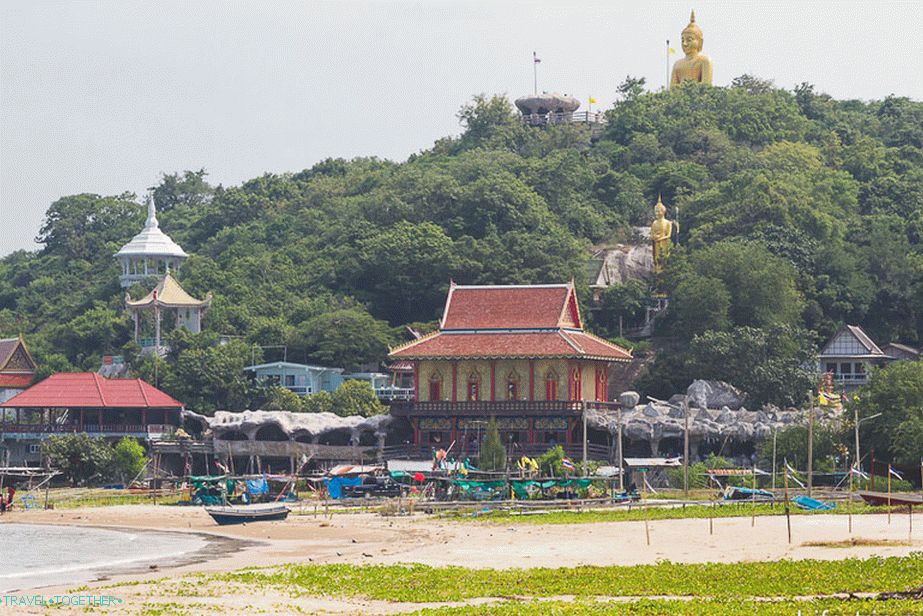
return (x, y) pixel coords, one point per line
(531, 380)
(454, 381)
(493, 380)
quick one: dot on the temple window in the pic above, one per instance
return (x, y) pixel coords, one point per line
(435, 387)
(474, 387)
(551, 385)
(576, 383)
(512, 386)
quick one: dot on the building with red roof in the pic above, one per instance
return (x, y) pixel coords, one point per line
(84, 402)
(517, 353)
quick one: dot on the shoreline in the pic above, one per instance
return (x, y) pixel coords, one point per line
(370, 539)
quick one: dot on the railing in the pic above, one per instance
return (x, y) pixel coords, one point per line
(855, 379)
(573, 451)
(71, 428)
(389, 393)
(301, 390)
(488, 408)
(582, 117)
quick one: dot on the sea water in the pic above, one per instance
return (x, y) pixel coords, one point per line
(35, 555)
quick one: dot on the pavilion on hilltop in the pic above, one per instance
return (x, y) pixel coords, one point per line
(150, 254)
(516, 353)
(167, 298)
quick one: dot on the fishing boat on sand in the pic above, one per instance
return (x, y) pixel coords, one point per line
(895, 498)
(241, 515)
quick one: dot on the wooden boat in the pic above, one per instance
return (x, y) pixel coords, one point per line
(241, 515)
(897, 498)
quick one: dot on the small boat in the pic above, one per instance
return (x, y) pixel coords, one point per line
(746, 494)
(812, 504)
(897, 498)
(240, 515)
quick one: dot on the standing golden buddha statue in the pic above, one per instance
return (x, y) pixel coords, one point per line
(696, 66)
(662, 231)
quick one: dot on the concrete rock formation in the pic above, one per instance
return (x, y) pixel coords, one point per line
(546, 102)
(309, 427)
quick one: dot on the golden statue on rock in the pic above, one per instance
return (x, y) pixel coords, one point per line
(696, 66)
(662, 232)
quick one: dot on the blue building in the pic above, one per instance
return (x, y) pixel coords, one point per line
(301, 379)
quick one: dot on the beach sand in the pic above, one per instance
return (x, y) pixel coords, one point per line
(367, 538)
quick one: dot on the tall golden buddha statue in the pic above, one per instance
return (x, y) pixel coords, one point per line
(696, 66)
(662, 231)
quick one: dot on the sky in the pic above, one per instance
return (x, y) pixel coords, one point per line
(105, 97)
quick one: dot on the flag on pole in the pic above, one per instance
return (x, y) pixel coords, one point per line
(791, 474)
(895, 473)
(671, 51)
(567, 464)
(593, 101)
(535, 58)
(856, 471)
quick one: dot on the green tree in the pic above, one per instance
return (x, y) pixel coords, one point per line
(344, 338)
(80, 457)
(550, 462)
(128, 459)
(356, 397)
(792, 445)
(282, 399)
(700, 303)
(86, 226)
(896, 392)
(320, 402)
(493, 454)
(772, 364)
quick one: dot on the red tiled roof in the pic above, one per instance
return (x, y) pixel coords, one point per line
(506, 307)
(554, 343)
(15, 381)
(89, 390)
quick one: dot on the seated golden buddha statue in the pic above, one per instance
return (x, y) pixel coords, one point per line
(696, 66)
(662, 231)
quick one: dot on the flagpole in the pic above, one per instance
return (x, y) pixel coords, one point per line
(788, 519)
(535, 72)
(667, 83)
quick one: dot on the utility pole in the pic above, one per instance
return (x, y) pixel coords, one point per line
(621, 466)
(585, 467)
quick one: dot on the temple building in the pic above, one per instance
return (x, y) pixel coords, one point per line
(168, 298)
(150, 254)
(516, 353)
(82, 402)
(17, 368)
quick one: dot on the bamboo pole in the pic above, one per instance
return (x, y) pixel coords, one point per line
(889, 494)
(647, 530)
(788, 518)
(753, 500)
(849, 501)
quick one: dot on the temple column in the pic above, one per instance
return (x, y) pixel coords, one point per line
(454, 382)
(157, 328)
(416, 381)
(493, 380)
(531, 379)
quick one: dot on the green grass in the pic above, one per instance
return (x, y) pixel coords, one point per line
(695, 607)
(418, 583)
(102, 499)
(635, 514)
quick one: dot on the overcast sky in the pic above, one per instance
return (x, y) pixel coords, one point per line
(104, 97)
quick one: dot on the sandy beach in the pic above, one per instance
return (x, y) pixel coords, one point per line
(367, 538)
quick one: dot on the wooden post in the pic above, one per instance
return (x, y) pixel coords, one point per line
(811, 446)
(788, 518)
(647, 530)
(753, 500)
(154, 480)
(849, 501)
(621, 462)
(711, 518)
(889, 494)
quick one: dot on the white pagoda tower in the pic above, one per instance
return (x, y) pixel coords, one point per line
(151, 253)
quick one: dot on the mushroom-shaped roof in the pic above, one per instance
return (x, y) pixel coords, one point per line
(169, 294)
(547, 102)
(151, 241)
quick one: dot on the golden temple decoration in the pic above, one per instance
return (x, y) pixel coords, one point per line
(696, 66)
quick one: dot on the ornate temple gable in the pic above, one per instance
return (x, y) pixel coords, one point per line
(15, 357)
(570, 314)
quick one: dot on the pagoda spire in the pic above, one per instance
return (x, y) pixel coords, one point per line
(151, 214)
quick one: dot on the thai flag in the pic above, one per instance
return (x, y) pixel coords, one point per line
(895, 473)
(856, 471)
(567, 464)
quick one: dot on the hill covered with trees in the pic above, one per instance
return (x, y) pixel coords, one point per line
(798, 212)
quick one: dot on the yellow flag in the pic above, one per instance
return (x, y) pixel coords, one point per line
(671, 50)
(593, 100)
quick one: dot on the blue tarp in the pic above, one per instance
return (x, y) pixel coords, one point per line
(335, 485)
(256, 487)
